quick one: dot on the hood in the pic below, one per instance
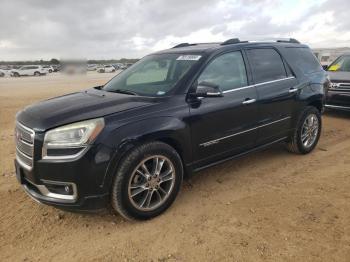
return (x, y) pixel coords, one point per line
(339, 76)
(79, 106)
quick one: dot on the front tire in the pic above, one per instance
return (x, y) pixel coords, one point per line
(36, 74)
(307, 132)
(147, 181)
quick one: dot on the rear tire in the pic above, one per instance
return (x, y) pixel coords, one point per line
(36, 74)
(141, 192)
(307, 133)
(16, 74)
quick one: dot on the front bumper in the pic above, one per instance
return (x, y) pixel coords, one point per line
(79, 184)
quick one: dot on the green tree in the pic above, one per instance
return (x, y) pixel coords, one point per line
(54, 61)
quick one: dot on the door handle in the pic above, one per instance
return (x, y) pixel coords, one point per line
(293, 90)
(248, 101)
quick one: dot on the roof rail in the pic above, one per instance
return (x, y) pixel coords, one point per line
(290, 40)
(237, 41)
(182, 45)
(192, 44)
(231, 41)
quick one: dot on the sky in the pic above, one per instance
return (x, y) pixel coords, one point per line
(106, 29)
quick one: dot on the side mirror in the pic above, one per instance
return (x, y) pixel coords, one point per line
(206, 89)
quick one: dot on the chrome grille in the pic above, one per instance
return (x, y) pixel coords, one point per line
(24, 138)
(340, 87)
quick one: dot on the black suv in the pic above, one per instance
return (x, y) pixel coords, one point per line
(130, 142)
(338, 95)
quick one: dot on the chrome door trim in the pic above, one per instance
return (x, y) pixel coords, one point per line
(259, 84)
(215, 141)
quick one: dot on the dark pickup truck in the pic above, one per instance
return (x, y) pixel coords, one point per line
(338, 95)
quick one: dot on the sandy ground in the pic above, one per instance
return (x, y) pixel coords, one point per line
(269, 206)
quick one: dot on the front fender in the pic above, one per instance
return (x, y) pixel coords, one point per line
(124, 138)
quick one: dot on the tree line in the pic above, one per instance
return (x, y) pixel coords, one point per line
(55, 61)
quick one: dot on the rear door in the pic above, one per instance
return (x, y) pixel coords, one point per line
(276, 87)
(223, 126)
(34, 69)
(23, 70)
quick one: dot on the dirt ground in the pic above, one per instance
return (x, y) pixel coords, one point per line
(269, 206)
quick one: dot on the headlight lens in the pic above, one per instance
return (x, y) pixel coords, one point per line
(74, 135)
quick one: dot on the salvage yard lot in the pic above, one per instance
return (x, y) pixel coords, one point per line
(268, 206)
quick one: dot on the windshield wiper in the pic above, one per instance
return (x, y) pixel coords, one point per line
(123, 91)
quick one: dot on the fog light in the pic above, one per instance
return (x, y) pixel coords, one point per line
(60, 189)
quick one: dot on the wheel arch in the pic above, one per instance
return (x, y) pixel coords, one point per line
(318, 103)
(168, 130)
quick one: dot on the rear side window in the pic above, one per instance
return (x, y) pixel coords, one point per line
(304, 59)
(266, 64)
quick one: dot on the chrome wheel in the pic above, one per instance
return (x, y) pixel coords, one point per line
(151, 183)
(309, 130)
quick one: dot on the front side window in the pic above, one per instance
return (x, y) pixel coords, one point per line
(266, 64)
(226, 71)
(342, 64)
(154, 75)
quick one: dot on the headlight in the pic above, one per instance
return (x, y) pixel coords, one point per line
(69, 140)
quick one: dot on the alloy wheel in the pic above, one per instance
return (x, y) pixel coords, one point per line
(309, 130)
(151, 183)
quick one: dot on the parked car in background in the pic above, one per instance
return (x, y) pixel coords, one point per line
(338, 95)
(48, 68)
(129, 143)
(106, 69)
(55, 68)
(116, 66)
(6, 70)
(122, 66)
(91, 67)
(29, 70)
(119, 66)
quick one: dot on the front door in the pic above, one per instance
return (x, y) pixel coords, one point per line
(223, 126)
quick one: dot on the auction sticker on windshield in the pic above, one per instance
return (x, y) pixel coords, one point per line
(189, 57)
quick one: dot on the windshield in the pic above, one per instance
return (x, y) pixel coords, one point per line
(342, 64)
(154, 75)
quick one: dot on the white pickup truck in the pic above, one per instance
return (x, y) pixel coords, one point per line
(30, 70)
